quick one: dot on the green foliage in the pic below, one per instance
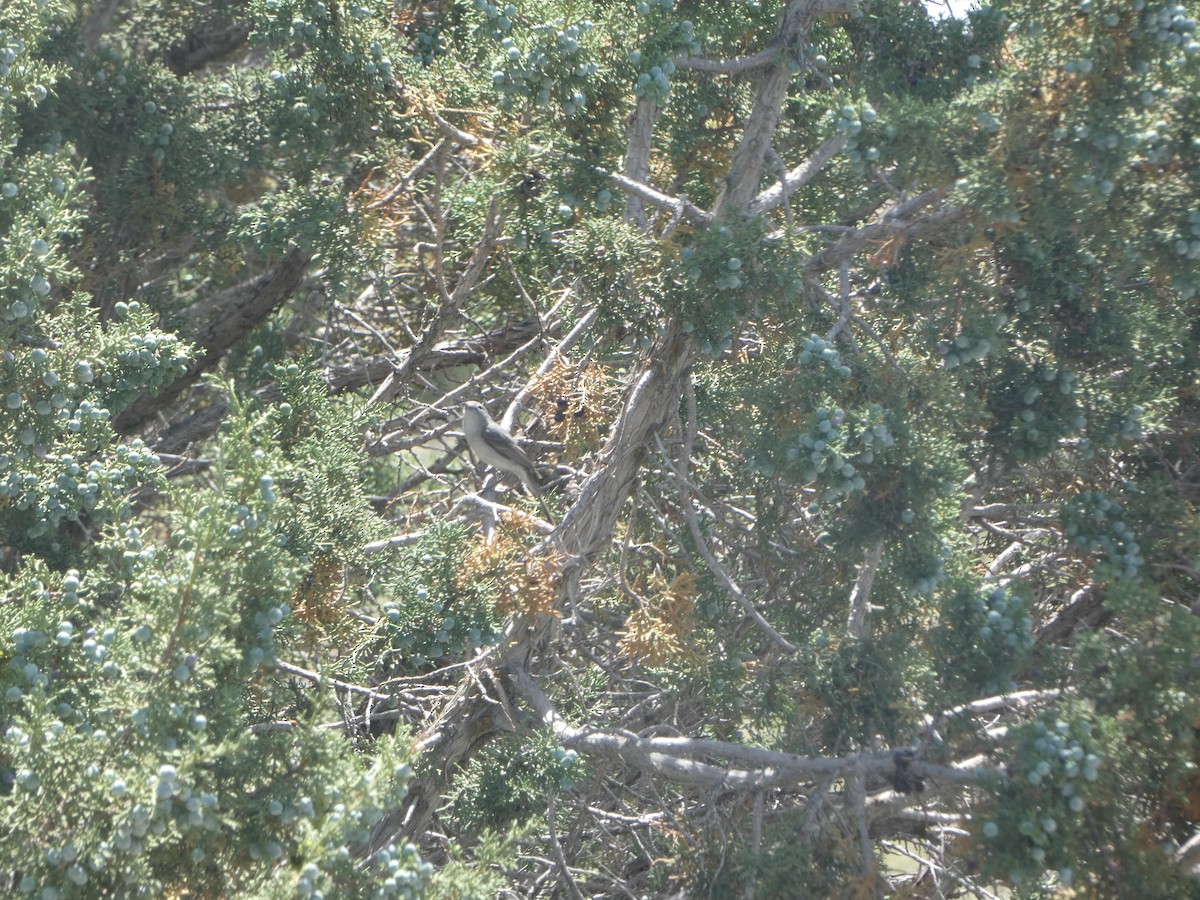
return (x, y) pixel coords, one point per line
(934, 60)
(334, 69)
(156, 701)
(1039, 821)
(710, 290)
(461, 879)
(1093, 523)
(982, 640)
(145, 746)
(141, 695)
(325, 511)
(509, 782)
(541, 58)
(871, 684)
(430, 613)
(995, 396)
(781, 866)
(60, 398)
(618, 264)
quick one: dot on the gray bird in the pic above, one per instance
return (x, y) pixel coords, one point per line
(491, 444)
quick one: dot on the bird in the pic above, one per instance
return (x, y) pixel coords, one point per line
(491, 443)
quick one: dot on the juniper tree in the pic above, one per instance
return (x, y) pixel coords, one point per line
(151, 741)
(860, 344)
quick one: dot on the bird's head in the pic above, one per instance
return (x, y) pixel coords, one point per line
(475, 417)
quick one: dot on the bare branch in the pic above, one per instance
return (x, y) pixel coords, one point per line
(637, 158)
(445, 355)
(552, 358)
(1015, 700)
(449, 307)
(400, 540)
(895, 221)
(737, 66)
(677, 205)
(1084, 609)
(420, 168)
(650, 401)
(860, 597)
(746, 168)
(320, 679)
(560, 859)
(798, 177)
(856, 796)
(765, 57)
(456, 134)
(843, 302)
(751, 768)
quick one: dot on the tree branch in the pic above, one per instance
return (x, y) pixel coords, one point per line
(745, 170)
(798, 177)
(677, 205)
(232, 315)
(893, 222)
(637, 156)
(448, 309)
(749, 768)
(860, 596)
(737, 66)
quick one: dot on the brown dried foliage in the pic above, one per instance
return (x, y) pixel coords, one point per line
(575, 402)
(524, 584)
(659, 630)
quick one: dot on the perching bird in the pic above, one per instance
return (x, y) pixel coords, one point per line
(491, 444)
